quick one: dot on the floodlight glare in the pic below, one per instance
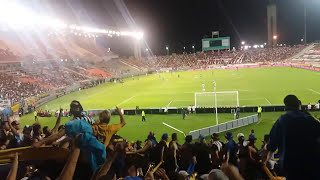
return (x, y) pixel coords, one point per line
(275, 37)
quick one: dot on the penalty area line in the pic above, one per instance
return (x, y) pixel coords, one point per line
(126, 100)
(267, 100)
(314, 91)
(174, 128)
(169, 103)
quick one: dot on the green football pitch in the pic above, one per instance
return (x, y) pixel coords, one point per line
(256, 86)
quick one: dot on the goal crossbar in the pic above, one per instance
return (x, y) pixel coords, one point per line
(218, 92)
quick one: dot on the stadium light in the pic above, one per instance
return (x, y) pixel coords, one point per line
(265, 43)
(255, 46)
(243, 42)
(275, 37)
(246, 47)
(192, 46)
(167, 48)
(184, 47)
(301, 40)
(147, 49)
(261, 46)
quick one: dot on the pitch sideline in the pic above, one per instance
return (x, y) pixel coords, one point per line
(174, 128)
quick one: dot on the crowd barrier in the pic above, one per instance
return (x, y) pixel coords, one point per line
(208, 131)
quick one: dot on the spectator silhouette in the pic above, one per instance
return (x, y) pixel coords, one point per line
(299, 155)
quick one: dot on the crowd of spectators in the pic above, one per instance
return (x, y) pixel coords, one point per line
(106, 155)
(276, 54)
(223, 57)
(14, 90)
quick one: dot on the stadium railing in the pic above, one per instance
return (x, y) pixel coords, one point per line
(224, 126)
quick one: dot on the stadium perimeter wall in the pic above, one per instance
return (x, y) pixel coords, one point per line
(258, 66)
(271, 108)
(208, 131)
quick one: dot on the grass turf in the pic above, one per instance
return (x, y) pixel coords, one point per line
(256, 86)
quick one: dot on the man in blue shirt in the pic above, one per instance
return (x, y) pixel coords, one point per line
(296, 135)
(231, 150)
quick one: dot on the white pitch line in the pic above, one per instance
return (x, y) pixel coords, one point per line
(267, 100)
(314, 91)
(169, 103)
(126, 100)
(174, 128)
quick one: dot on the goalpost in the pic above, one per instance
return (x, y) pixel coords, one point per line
(216, 99)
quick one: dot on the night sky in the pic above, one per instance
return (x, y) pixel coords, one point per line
(179, 23)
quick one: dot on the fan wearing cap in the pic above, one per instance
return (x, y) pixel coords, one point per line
(160, 150)
(286, 135)
(203, 165)
(87, 142)
(231, 150)
(17, 133)
(216, 149)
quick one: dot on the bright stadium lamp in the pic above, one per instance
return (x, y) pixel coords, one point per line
(243, 42)
(147, 49)
(138, 35)
(275, 37)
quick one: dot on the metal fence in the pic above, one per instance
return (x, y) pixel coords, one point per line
(224, 126)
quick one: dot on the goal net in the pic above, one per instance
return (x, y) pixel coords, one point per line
(223, 98)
